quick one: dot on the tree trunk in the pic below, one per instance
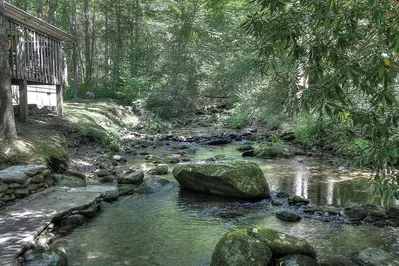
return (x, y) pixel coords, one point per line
(93, 45)
(40, 9)
(7, 121)
(87, 44)
(52, 6)
(75, 53)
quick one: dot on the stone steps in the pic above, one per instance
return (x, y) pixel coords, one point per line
(22, 222)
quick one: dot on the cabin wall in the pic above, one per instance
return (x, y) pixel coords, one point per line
(41, 95)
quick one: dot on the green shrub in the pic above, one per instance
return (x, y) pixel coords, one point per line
(237, 121)
(271, 149)
(305, 129)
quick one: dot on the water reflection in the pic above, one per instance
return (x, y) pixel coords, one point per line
(181, 227)
(309, 177)
(178, 227)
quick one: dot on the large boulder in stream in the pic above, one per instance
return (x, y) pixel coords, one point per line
(257, 246)
(237, 248)
(238, 179)
(282, 244)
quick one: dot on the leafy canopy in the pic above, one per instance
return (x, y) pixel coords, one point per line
(343, 57)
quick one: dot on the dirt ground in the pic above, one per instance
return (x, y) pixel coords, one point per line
(85, 127)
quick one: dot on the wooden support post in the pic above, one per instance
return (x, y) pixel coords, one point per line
(23, 100)
(60, 111)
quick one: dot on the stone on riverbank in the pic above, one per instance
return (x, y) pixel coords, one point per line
(70, 179)
(71, 222)
(238, 179)
(23, 180)
(392, 211)
(111, 195)
(237, 248)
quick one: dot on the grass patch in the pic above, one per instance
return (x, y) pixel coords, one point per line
(44, 139)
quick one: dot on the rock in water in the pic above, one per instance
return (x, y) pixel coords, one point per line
(153, 185)
(71, 222)
(257, 246)
(282, 244)
(130, 177)
(53, 257)
(374, 257)
(288, 216)
(237, 248)
(297, 260)
(238, 179)
(161, 169)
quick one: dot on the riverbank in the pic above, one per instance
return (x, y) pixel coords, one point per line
(62, 142)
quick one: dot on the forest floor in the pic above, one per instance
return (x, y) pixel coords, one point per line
(85, 126)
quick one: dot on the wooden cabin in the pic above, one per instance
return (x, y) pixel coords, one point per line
(35, 54)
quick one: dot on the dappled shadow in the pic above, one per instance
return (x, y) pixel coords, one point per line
(17, 228)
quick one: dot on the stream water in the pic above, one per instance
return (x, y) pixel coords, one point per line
(180, 227)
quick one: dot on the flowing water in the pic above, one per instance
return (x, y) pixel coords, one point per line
(179, 227)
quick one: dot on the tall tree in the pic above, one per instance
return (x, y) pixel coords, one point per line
(52, 5)
(7, 122)
(75, 53)
(88, 64)
(39, 10)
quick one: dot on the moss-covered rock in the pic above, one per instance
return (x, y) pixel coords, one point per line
(237, 248)
(237, 179)
(282, 244)
(130, 177)
(161, 169)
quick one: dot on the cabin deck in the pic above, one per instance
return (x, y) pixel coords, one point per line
(35, 55)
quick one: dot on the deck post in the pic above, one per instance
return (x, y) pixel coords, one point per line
(23, 100)
(60, 111)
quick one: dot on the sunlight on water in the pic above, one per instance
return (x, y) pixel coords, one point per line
(179, 227)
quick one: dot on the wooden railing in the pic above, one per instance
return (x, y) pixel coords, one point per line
(34, 57)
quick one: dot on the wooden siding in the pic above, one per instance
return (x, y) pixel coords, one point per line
(34, 57)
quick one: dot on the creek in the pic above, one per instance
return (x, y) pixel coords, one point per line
(180, 227)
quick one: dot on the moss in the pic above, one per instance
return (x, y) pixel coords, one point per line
(44, 139)
(53, 153)
(238, 179)
(281, 244)
(237, 248)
